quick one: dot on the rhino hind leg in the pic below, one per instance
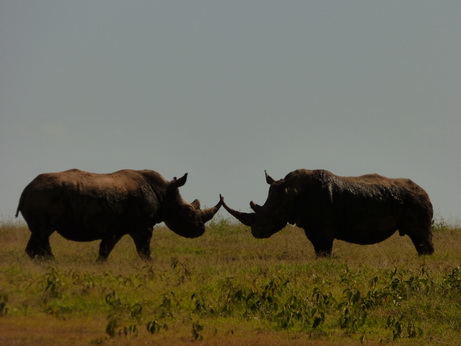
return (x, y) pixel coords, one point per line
(39, 247)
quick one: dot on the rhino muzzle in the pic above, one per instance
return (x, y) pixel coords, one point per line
(259, 233)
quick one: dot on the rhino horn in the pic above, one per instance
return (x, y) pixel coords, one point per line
(247, 219)
(210, 212)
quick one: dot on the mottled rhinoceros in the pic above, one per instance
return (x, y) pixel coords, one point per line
(83, 206)
(362, 210)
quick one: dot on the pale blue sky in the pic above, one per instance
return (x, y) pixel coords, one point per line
(225, 89)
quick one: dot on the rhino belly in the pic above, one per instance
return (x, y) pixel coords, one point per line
(81, 236)
(367, 231)
(85, 232)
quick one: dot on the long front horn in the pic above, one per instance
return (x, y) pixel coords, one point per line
(210, 212)
(248, 219)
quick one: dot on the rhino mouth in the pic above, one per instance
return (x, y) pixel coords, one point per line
(190, 230)
(262, 232)
(259, 234)
(196, 234)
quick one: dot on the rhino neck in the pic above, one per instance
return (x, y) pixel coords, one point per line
(294, 210)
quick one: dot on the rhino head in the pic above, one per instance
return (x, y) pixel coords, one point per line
(185, 219)
(273, 215)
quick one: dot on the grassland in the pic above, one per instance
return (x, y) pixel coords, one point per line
(229, 288)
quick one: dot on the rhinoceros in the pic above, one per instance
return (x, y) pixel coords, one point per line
(83, 206)
(363, 210)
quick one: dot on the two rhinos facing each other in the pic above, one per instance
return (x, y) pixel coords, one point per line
(84, 206)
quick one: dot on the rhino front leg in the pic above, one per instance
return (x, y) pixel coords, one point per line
(322, 242)
(142, 240)
(106, 246)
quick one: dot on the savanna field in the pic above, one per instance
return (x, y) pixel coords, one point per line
(227, 287)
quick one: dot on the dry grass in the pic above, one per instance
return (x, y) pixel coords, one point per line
(195, 289)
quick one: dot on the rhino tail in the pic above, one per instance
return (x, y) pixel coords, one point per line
(21, 200)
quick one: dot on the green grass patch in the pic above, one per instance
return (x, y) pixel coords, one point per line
(228, 287)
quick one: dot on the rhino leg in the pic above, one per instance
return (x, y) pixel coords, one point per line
(323, 248)
(422, 240)
(142, 240)
(419, 230)
(106, 246)
(322, 242)
(38, 246)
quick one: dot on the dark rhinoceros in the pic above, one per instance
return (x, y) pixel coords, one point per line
(84, 206)
(362, 210)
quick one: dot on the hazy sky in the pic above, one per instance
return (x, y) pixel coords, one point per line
(225, 89)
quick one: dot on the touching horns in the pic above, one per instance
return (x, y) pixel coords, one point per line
(248, 219)
(210, 212)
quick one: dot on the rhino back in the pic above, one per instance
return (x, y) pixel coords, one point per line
(370, 208)
(363, 209)
(84, 206)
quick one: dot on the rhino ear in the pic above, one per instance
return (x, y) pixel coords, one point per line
(269, 179)
(255, 207)
(196, 204)
(175, 183)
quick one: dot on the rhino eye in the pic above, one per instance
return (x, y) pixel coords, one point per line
(189, 212)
